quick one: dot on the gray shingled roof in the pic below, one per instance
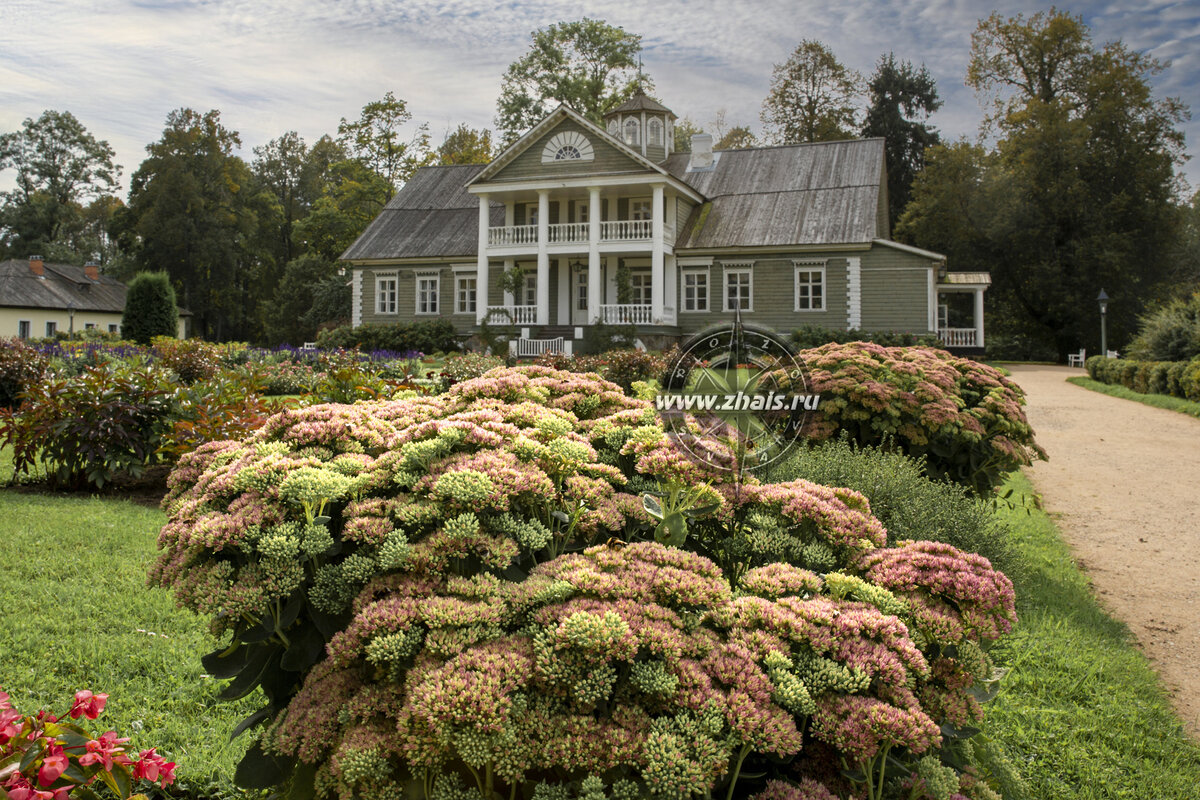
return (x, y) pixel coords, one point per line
(61, 285)
(433, 216)
(640, 102)
(822, 193)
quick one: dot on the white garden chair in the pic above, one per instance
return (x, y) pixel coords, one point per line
(1113, 354)
(1077, 359)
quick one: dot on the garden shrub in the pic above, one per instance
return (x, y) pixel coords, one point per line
(190, 359)
(149, 308)
(1189, 380)
(472, 589)
(808, 336)
(463, 367)
(425, 336)
(622, 367)
(964, 418)
(1174, 378)
(20, 366)
(1172, 333)
(909, 504)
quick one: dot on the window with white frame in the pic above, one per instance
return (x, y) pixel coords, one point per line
(51, 329)
(810, 285)
(695, 289)
(89, 326)
(640, 208)
(531, 213)
(632, 132)
(581, 212)
(529, 290)
(464, 294)
(113, 327)
(428, 289)
(23, 329)
(581, 291)
(386, 291)
(654, 130)
(640, 287)
(739, 288)
(612, 127)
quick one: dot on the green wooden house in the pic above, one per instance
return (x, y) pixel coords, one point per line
(608, 225)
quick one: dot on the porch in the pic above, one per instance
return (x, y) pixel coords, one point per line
(960, 310)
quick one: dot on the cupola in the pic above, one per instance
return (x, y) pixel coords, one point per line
(644, 125)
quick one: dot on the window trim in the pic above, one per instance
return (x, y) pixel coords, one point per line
(380, 277)
(51, 328)
(649, 201)
(648, 274)
(684, 271)
(114, 327)
(28, 323)
(654, 132)
(636, 139)
(459, 277)
(436, 277)
(730, 268)
(818, 266)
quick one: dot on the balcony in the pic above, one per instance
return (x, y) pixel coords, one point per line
(512, 235)
(958, 337)
(511, 315)
(625, 314)
(622, 230)
(625, 230)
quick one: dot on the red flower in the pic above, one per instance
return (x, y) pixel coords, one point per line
(88, 704)
(8, 726)
(54, 763)
(104, 751)
(152, 767)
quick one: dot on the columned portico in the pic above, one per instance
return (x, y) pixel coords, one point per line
(656, 255)
(593, 290)
(952, 311)
(543, 257)
(481, 264)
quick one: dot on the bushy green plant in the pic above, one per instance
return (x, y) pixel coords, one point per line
(20, 366)
(466, 366)
(462, 587)
(150, 308)
(807, 336)
(964, 418)
(1171, 333)
(228, 405)
(85, 429)
(190, 359)
(622, 367)
(425, 336)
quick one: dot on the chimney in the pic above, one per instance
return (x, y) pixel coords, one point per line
(37, 266)
(702, 152)
(92, 271)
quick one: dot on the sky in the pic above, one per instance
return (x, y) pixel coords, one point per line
(271, 66)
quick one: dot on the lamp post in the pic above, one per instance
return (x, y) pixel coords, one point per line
(71, 320)
(1103, 301)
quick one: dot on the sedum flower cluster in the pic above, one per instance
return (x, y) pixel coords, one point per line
(468, 590)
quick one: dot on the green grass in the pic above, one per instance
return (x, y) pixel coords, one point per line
(77, 614)
(1157, 400)
(1081, 713)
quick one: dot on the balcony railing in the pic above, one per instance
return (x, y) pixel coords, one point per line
(625, 314)
(513, 234)
(527, 348)
(958, 337)
(625, 230)
(512, 315)
(568, 233)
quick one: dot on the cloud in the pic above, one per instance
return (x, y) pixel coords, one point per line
(278, 65)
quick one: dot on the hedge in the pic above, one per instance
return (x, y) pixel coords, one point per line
(1173, 378)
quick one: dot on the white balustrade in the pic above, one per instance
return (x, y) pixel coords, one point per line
(514, 315)
(957, 337)
(625, 314)
(527, 348)
(512, 235)
(625, 230)
(569, 233)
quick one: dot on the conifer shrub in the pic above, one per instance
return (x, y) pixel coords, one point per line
(150, 308)
(520, 588)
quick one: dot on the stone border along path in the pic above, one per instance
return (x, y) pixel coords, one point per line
(1123, 483)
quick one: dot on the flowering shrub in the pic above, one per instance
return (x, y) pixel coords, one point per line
(190, 359)
(20, 366)
(965, 418)
(467, 366)
(45, 757)
(463, 590)
(622, 367)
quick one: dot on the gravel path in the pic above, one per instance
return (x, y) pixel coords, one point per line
(1123, 482)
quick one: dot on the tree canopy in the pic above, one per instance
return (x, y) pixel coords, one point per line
(813, 97)
(466, 145)
(376, 140)
(588, 64)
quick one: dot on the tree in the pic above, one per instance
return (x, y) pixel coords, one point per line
(685, 129)
(737, 137)
(589, 65)
(901, 98)
(193, 213)
(465, 145)
(149, 308)
(375, 140)
(813, 97)
(353, 198)
(60, 167)
(288, 315)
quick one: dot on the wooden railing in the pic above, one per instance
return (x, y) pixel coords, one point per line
(527, 348)
(512, 315)
(957, 337)
(624, 230)
(625, 314)
(513, 234)
(570, 232)
(621, 230)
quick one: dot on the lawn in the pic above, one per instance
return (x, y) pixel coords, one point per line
(1081, 713)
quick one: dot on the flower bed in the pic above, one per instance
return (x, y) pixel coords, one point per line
(471, 595)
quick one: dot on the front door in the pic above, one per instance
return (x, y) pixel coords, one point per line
(579, 298)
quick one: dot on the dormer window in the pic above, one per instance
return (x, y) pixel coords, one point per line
(632, 133)
(654, 131)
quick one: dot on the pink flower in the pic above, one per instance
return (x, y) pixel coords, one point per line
(8, 724)
(151, 766)
(104, 751)
(88, 704)
(54, 763)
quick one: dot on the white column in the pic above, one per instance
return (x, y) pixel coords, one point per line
(543, 258)
(656, 256)
(481, 268)
(671, 285)
(566, 300)
(979, 318)
(509, 263)
(593, 309)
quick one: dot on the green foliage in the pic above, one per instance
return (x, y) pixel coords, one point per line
(814, 336)
(900, 100)
(588, 64)
(294, 315)
(465, 145)
(190, 359)
(463, 367)
(905, 500)
(375, 140)
(432, 336)
(622, 367)
(813, 97)
(20, 367)
(1173, 378)
(1169, 333)
(150, 308)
